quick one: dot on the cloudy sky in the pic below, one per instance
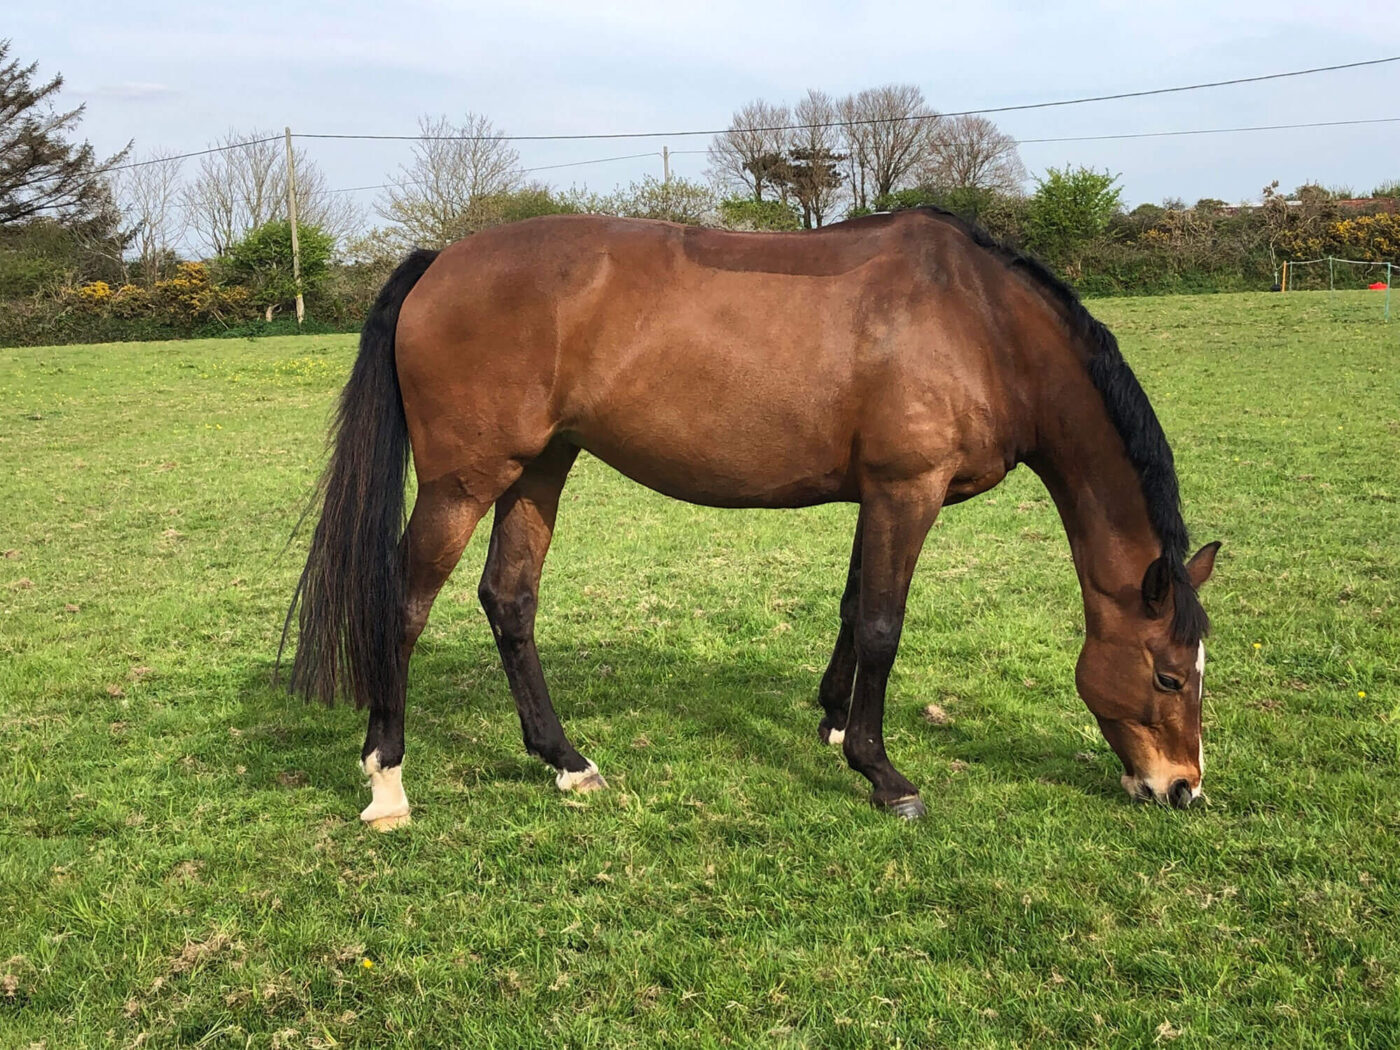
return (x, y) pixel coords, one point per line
(176, 75)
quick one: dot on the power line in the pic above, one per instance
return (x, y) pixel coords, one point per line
(194, 153)
(1209, 131)
(523, 171)
(1168, 134)
(694, 152)
(1020, 107)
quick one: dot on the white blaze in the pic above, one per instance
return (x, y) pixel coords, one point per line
(1201, 692)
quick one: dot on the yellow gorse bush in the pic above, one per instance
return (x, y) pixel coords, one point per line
(1365, 238)
(188, 296)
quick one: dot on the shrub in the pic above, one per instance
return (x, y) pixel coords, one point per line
(262, 261)
(745, 213)
(1071, 208)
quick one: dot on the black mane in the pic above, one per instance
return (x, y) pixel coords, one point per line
(1131, 414)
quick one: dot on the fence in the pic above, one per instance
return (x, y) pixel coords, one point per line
(1289, 277)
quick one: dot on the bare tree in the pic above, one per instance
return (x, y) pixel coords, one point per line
(749, 156)
(856, 141)
(245, 185)
(445, 193)
(149, 199)
(814, 175)
(889, 131)
(970, 152)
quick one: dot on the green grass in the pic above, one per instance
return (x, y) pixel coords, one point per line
(181, 860)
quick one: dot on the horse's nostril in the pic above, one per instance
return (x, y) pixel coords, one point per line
(1180, 793)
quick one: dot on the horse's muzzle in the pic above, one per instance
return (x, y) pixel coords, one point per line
(1179, 794)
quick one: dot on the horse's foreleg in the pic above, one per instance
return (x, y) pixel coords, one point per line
(442, 523)
(509, 593)
(835, 692)
(895, 523)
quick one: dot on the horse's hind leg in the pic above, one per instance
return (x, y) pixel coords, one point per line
(438, 530)
(509, 593)
(835, 692)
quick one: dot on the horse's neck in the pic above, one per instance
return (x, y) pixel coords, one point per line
(1081, 459)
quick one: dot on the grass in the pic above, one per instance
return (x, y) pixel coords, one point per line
(181, 861)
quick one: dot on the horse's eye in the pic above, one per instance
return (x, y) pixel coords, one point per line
(1170, 684)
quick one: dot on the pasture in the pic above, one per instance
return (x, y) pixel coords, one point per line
(181, 860)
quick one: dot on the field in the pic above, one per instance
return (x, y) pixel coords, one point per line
(181, 861)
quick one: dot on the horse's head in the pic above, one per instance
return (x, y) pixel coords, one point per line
(1140, 673)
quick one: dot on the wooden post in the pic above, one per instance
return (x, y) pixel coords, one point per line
(665, 163)
(1284, 285)
(292, 220)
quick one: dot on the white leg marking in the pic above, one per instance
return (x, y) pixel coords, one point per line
(836, 737)
(389, 806)
(567, 781)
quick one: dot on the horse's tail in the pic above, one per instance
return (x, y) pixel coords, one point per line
(351, 593)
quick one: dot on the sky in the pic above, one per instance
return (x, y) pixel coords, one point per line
(178, 75)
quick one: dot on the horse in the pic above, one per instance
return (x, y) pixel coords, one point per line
(903, 362)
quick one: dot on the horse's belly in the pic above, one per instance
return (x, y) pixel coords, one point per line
(707, 459)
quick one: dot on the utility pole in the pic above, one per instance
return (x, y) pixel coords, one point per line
(665, 163)
(292, 220)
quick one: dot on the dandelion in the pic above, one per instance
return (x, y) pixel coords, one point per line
(1361, 693)
(1258, 645)
(366, 964)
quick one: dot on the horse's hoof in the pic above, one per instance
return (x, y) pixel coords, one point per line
(592, 782)
(389, 823)
(910, 807)
(581, 781)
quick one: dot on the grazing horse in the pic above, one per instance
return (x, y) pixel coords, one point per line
(902, 362)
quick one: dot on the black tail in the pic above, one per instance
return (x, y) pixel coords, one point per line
(351, 593)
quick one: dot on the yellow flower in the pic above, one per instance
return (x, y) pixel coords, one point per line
(367, 964)
(1361, 693)
(1258, 646)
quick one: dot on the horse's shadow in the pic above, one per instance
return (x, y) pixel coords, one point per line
(762, 708)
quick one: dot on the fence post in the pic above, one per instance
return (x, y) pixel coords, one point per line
(292, 221)
(1387, 292)
(1331, 291)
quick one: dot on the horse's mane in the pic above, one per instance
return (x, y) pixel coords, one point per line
(1130, 412)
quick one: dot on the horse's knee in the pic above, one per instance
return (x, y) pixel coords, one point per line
(877, 639)
(510, 610)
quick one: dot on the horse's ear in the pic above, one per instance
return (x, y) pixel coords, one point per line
(1202, 564)
(1156, 585)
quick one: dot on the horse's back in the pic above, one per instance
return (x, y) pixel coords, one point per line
(723, 368)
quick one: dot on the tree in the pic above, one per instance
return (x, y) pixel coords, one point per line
(442, 195)
(262, 262)
(749, 156)
(148, 196)
(675, 200)
(888, 132)
(1070, 208)
(813, 176)
(244, 186)
(40, 170)
(971, 153)
(527, 202)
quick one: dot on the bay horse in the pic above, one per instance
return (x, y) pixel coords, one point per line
(900, 361)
